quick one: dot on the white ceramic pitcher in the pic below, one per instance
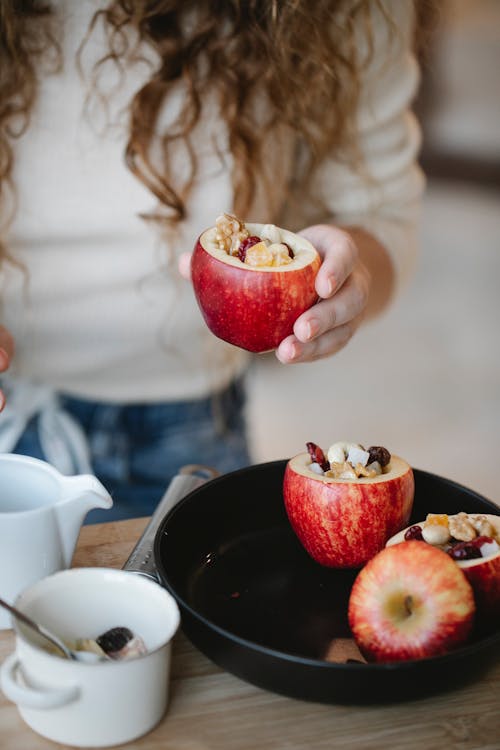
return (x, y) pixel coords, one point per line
(41, 513)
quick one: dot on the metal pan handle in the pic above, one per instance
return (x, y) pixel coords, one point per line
(191, 476)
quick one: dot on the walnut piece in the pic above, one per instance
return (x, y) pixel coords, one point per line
(340, 470)
(229, 233)
(483, 526)
(345, 470)
(364, 471)
(461, 528)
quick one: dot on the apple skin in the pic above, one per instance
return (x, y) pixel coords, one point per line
(251, 308)
(343, 523)
(410, 601)
(483, 574)
(484, 577)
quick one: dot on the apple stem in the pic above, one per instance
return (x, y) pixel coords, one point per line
(408, 605)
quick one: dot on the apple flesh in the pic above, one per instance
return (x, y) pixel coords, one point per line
(410, 601)
(483, 573)
(253, 307)
(343, 523)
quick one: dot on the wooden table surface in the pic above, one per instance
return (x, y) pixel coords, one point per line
(210, 709)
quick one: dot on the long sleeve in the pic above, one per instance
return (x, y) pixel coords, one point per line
(383, 197)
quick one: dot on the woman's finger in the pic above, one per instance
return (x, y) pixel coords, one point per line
(348, 303)
(339, 253)
(184, 265)
(293, 351)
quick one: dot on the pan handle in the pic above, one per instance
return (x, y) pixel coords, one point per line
(199, 470)
(189, 478)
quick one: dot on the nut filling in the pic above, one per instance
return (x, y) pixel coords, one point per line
(232, 236)
(349, 460)
(464, 536)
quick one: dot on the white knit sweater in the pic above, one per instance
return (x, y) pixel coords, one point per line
(102, 312)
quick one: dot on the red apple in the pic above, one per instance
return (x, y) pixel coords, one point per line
(253, 307)
(483, 574)
(410, 601)
(343, 523)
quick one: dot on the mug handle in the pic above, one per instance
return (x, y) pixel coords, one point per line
(32, 697)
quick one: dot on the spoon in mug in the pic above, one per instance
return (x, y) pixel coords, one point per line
(83, 656)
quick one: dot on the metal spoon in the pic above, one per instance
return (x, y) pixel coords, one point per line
(84, 656)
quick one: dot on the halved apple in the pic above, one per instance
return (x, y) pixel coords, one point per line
(483, 574)
(344, 523)
(253, 307)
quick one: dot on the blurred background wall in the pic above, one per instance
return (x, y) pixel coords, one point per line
(424, 380)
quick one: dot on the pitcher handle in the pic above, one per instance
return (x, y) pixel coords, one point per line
(29, 697)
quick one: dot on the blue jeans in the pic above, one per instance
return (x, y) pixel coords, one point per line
(137, 449)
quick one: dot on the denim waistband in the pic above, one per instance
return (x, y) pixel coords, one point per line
(63, 420)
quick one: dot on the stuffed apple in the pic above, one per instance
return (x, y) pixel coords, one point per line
(346, 504)
(252, 281)
(472, 540)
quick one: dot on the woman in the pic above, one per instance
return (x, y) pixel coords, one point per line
(125, 129)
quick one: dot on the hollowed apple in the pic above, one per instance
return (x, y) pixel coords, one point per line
(253, 307)
(343, 523)
(410, 601)
(483, 573)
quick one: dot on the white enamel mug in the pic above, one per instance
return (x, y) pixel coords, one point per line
(92, 704)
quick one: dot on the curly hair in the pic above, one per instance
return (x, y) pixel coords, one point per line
(27, 46)
(299, 57)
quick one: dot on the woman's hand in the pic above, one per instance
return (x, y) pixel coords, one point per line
(6, 354)
(352, 260)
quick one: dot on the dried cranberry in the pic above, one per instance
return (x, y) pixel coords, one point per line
(317, 456)
(380, 454)
(464, 551)
(414, 532)
(245, 244)
(480, 540)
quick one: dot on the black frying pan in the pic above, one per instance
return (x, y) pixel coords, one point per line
(254, 602)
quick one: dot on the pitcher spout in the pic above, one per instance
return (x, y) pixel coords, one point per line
(79, 495)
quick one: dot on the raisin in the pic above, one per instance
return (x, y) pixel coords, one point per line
(464, 551)
(380, 454)
(114, 639)
(414, 532)
(317, 456)
(245, 244)
(290, 251)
